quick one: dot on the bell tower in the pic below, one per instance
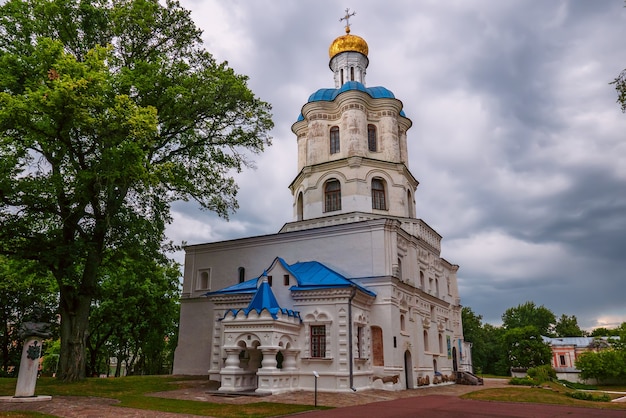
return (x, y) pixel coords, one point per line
(352, 144)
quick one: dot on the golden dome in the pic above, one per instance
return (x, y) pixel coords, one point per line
(348, 42)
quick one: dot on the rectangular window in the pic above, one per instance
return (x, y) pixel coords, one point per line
(269, 280)
(318, 341)
(562, 359)
(286, 280)
(371, 138)
(334, 140)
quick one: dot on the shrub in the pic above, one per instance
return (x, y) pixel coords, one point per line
(522, 381)
(586, 396)
(542, 374)
(575, 385)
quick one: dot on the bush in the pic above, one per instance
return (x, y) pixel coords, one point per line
(542, 374)
(586, 396)
(523, 381)
(575, 385)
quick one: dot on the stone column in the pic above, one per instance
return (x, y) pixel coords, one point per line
(232, 358)
(269, 358)
(289, 360)
(29, 368)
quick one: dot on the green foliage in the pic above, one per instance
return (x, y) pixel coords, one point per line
(522, 381)
(135, 316)
(607, 364)
(487, 355)
(525, 348)
(23, 288)
(586, 396)
(567, 326)
(109, 112)
(528, 314)
(542, 374)
(51, 358)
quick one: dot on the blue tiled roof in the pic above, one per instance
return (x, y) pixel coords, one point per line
(264, 299)
(315, 275)
(328, 95)
(309, 275)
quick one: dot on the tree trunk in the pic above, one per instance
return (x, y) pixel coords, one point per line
(74, 310)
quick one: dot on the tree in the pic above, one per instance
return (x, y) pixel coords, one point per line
(525, 348)
(487, 354)
(23, 288)
(567, 326)
(528, 314)
(135, 316)
(109, 112)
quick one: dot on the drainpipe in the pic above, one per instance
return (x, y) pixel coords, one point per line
(351, 349)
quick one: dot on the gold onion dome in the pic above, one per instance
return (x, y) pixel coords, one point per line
(348, 42)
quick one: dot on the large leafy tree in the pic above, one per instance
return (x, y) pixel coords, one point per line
(109, 111)
(567, 326)
(525, 348)
(528, 314)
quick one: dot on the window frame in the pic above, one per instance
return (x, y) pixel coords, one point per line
(332, 197)
(379, 198)
(335, 140)
(317, 347)
(372, 138)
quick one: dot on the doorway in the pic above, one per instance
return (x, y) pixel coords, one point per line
(408, 370)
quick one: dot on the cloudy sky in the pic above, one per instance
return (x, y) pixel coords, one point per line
(517, 139)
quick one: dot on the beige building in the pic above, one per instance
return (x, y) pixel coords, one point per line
(353, 294)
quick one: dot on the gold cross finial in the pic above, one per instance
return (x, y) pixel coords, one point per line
(347, 19)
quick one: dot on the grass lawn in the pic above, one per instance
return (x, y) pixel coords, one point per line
(549, 393)
(130, 391)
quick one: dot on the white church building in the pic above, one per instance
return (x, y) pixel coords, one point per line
(353, 293)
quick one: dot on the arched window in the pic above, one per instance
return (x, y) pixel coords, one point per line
(378, 194)
(351, 73)
(300, 207)
(334, 140)
(242, 274)
(440, 343)
(342, 76)
(371, 138)
(426, 345)
(332, 196)
(402, 324)
(410, 204)
(422, 280)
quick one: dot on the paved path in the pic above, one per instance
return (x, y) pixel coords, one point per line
(442, 406)
(440, 401)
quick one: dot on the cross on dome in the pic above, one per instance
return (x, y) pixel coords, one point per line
(347, 19)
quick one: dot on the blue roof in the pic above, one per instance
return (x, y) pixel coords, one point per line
(328, 95)
(309, 275)
(264, 299)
